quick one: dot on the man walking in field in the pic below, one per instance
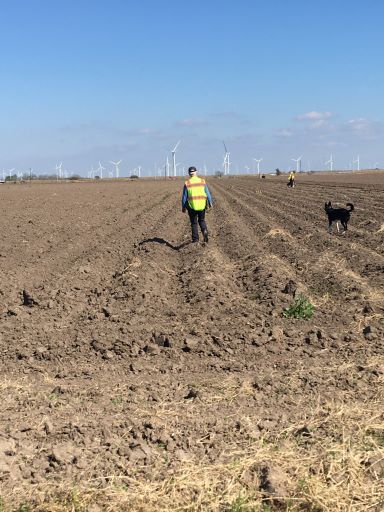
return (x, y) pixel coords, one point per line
(291, 179)
(196, 199)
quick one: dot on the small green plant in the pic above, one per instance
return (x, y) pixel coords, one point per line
(302, 484)
(301, 308)
(239, 505)
(54, 399)
(117, 400)
(377, 435)
(24, 508)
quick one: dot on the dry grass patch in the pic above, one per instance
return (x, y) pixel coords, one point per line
(334, 461)
(278, 232)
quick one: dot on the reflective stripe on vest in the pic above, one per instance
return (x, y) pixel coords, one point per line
(197, 198)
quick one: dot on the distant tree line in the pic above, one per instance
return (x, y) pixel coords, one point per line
(33, 176)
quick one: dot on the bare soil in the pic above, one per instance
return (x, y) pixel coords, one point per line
(141, 372)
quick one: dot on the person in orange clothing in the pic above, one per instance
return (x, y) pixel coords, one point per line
(196, 199)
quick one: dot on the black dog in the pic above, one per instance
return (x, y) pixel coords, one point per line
(338, 214)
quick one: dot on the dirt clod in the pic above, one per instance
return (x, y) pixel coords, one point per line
(28, 299)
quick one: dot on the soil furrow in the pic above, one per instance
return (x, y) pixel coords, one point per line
(329, 289)
(314, 245)
(310, 218)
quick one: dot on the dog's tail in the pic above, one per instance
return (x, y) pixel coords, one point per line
(351, 207)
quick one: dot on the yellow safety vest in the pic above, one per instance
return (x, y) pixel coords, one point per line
(197, 198)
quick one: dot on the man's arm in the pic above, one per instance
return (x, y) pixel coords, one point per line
(184, 199)
(209, 197)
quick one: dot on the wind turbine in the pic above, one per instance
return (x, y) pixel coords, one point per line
(101, 169)
(226, 162)
(258, 165)
(177, 165)
(205, 170)
(136, 171)
(298, 163)
(357, 161)
(58, 170)
(11, 171)
(330, 162)
(167, 168)
(174, 158)
(116, 164)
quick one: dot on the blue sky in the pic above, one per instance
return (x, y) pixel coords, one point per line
(83, 81)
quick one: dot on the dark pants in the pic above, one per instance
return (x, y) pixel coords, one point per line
(194, 217)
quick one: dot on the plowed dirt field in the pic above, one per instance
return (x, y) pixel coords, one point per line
(141, 372)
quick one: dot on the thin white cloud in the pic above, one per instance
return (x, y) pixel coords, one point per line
(285, 133)
(314, 116)
(145, 131)
(244, 138)
(192, 121)
(359, 124)
(103, 128)
(322, 126)
(334, 143)
(228, 115)
(318, 124)
(364, 127)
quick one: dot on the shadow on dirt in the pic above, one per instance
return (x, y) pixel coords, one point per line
(161, 241)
